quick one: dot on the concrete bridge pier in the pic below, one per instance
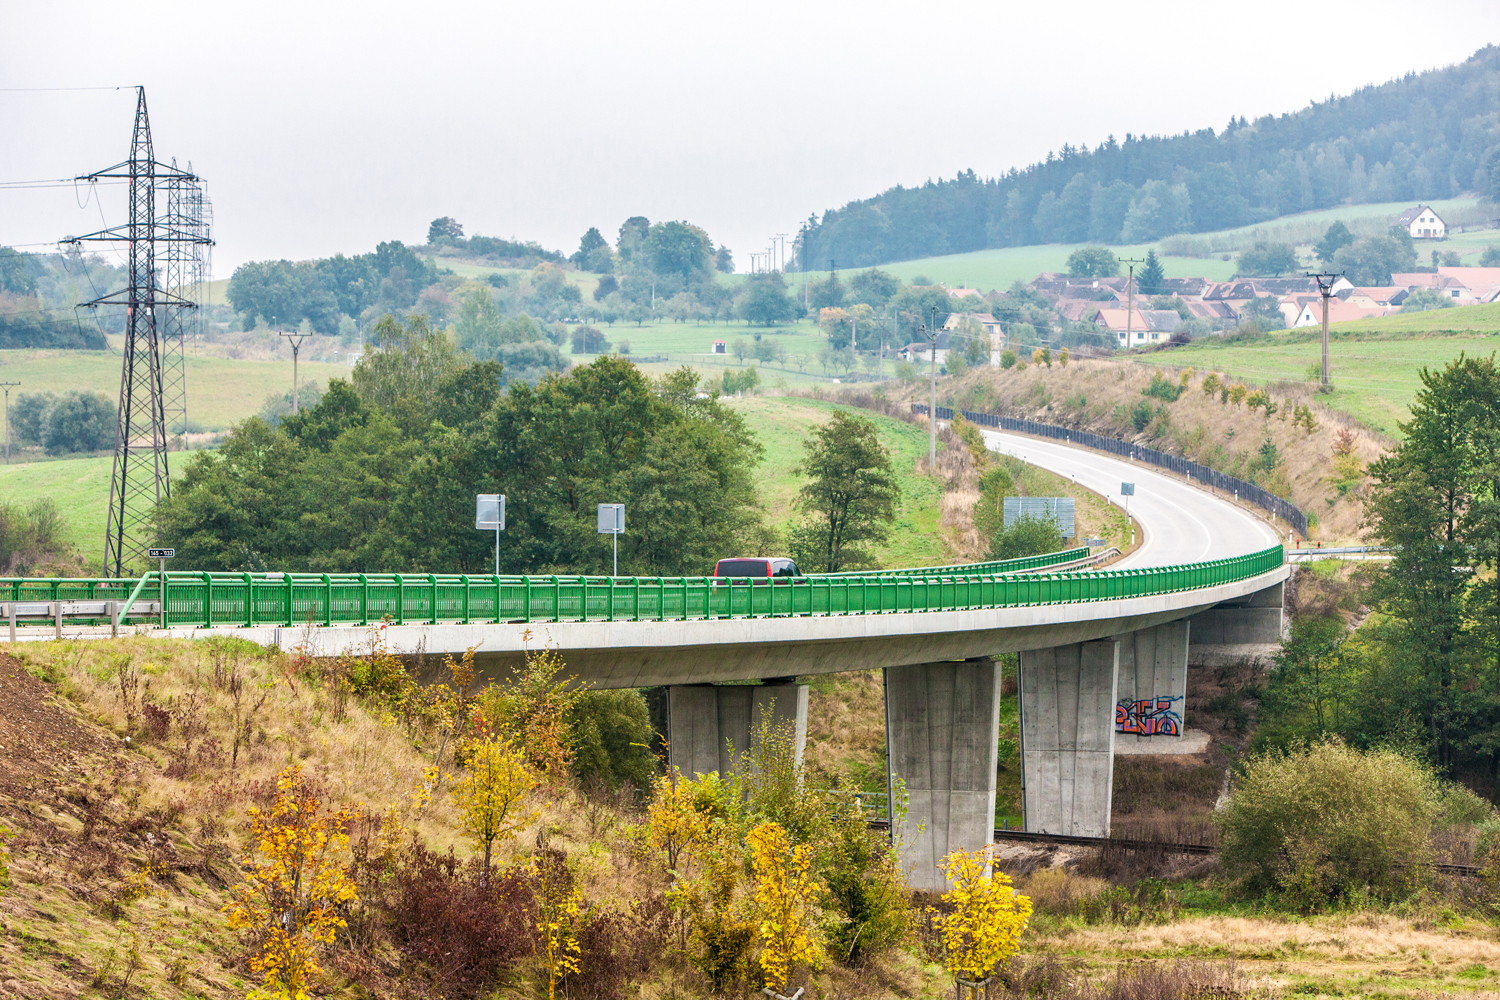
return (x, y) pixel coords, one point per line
(942, 725)
(1068, 700)
(709, 726)
(1151, 702)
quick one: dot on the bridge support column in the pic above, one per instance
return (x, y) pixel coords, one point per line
(942, 724)
(1068, 698)
(1152, 698)
(1238, 630)
(705, 720)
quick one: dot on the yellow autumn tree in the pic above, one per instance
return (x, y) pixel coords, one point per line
(290, 898)
(674, 823)
(559, 910)
(784, 888)
(984, 928)
(489, 796)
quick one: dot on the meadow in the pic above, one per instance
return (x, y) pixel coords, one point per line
(221, 391)
(782, 424)
(1375, 365)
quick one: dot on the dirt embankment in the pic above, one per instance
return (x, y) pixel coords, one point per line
(1321, 470)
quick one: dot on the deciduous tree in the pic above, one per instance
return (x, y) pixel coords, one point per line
(850, 495)
(290, 900)
(490, 795)
(784, 887)
(984, 927)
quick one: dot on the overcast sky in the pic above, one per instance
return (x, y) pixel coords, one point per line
(325, 128)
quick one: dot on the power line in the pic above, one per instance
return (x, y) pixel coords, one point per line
(55, 90)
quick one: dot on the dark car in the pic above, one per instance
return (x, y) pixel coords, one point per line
(756, 567)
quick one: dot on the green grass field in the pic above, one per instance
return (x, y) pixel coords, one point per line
(220, 391)
(782, 425)
(79, 487)
(1374, 379)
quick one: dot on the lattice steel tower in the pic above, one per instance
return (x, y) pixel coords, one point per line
(140, 480)
(184, 274)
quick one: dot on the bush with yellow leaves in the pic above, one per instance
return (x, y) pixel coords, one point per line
(290, 899)
(784, 887)
(490, 795)
(984, 928)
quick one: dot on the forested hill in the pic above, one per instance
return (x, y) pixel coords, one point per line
(1425, 136)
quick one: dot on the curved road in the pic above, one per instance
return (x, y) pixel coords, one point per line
(1182, 523)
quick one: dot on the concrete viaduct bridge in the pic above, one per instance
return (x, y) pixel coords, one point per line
(1104, 654)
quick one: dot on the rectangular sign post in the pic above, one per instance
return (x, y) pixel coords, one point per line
(1127, 490)
(612, 522)
(161, 556)
(489, 514)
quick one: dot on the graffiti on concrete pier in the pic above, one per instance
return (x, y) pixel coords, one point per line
(1150, 717)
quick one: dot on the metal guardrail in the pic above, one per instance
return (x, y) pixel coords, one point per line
(1115, 446)
(1332, 551)
(999, 566)
(208, 600)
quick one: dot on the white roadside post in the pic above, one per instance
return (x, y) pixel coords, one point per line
(1127, 490)
(612, 522)
(489, 514)
(161, 556)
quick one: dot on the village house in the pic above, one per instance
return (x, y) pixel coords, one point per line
(1374, 298)
(996, 332)
(1339, 311)
(1423, 223)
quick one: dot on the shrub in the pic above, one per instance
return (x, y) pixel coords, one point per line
(1323, 822)
(612, 739)
(30, 537)
(1026, 536)
(864, 893)
(1162, 388)
(1141, 414)
(462, 930)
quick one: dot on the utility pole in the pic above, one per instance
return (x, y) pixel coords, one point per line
(1130, 297)
(7, 386)
(930, 329)
(1325, 286)
(295, 339)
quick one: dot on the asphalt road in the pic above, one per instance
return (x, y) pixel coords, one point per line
(1182, 523)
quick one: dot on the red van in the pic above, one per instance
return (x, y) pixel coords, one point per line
(756, 567)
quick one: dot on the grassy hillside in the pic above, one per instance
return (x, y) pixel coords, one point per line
(79, 487)
(220, 391)
(782, 424)
(1374, 364)
(998, 268)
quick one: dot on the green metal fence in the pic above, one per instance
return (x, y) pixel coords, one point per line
(206, 600)
(1000, 566)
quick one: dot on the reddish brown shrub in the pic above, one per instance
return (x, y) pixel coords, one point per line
(456, 927)
(617, 947)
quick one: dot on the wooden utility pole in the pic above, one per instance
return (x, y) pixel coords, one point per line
(1325, 286)
(1130, 297)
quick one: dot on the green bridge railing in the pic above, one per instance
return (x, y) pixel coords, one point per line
(1000, 566)
(207, 600)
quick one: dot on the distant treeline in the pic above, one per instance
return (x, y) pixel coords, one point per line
(1425, 136)
(29, 330)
